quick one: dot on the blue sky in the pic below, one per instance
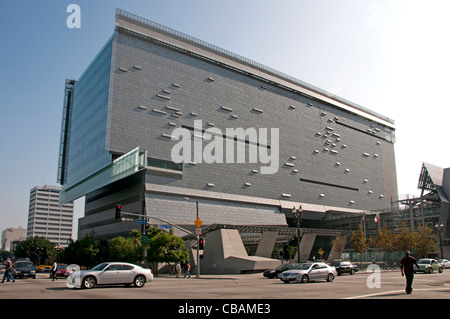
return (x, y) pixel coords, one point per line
(390, 56)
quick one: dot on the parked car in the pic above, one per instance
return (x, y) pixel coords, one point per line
(428, 266)
(344, 267)
(111, 273)
(444, 263)
(309, 272)
(24, 269)
(62, 271)
(43, 268)
(274, 273)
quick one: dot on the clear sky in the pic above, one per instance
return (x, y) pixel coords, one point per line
(390, 56)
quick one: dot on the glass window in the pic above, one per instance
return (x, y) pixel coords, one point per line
(100, 266)
(87, 151)
(164, 164)
(114, 267)
(127, 267)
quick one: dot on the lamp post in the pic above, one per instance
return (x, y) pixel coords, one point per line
(197, 232)
(439, 228)
(298, 213)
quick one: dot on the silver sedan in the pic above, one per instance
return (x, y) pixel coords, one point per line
(309, 272)
(110, 273)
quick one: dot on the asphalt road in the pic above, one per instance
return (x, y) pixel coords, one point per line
(363, 285)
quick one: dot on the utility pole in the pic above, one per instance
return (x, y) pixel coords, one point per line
(439, 228)
(298, 214)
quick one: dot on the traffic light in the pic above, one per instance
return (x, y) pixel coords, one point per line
(201, 244)
(118, 211)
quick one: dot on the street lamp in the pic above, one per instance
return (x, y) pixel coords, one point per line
(197, 232)
(439, 228)
(298, 214)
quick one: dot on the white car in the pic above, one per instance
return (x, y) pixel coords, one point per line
(309, 272)
(110, 273)
(444, 262)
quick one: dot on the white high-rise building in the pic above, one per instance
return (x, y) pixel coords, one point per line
(46, 218)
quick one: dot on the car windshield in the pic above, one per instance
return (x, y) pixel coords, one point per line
(24, 264)
(305, 266)
(292, 266)
(424, 261)
(341, 264)
(100, 266)
(62, 266)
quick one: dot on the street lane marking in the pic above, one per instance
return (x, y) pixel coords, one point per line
(395, 292)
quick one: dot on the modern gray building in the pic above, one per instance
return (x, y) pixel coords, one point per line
(254, 143)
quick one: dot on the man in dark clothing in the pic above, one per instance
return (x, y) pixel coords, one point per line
(407, 268)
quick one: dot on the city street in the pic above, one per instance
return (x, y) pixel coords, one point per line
(244, 286)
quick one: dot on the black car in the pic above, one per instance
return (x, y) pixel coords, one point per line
(345, 267)
(273, 273)
(24, 269)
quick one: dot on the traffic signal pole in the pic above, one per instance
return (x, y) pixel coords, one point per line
(176, 226)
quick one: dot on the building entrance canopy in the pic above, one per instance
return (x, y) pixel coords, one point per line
(251, 235)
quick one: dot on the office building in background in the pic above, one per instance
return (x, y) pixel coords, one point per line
(46, 218)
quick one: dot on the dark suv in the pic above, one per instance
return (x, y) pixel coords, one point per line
(345, 267)
(24, 269)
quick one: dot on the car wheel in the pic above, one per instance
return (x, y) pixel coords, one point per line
(139, 281)
(430, 270)
(330, 277)
(305, 279)
(441, 269)
(88, 282)
(286, 281)
(352, 272)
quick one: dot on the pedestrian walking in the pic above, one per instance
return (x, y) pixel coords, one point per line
(54, 268)
(407, 269)
(178, 268)
(188, 267)
(8, 271)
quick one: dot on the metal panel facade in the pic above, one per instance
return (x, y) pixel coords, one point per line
(354, 166)
(325, 154)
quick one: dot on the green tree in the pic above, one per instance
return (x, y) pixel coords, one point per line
(136, 237)
(359, 241)
(385, 240)
(86, 252)
(121, 249)
(425, 241)
(404, 239)
(36, 248)
(338, 244)
(290, 250)
(165, 248)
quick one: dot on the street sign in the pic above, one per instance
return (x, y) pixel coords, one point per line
(145, 239)
(198, 231)
(198, 222)
(165, 227)
(141, 221)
